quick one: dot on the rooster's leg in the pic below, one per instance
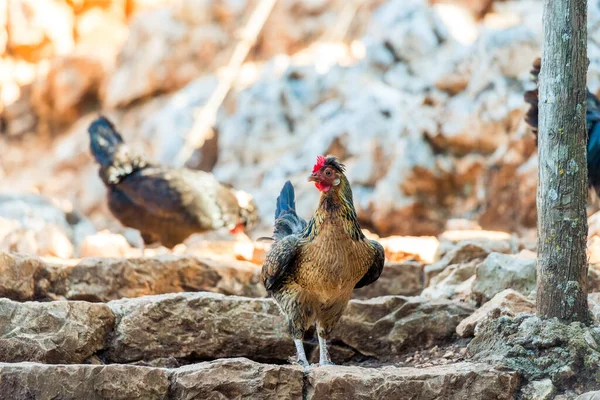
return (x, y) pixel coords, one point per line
(324, 358)
(301, 354)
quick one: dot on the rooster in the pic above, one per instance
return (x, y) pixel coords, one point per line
(592, 118)
(312, 268)
(165, 204)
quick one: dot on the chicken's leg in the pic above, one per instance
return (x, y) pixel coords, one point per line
(324, 358)
(301, 354)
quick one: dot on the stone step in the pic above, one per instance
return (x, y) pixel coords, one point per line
(25, 278)
(239, 378)
(198, 326)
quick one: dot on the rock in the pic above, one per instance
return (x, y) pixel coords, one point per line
(33, 224)
(539, 390)
(454, 282)
(104, 244)
(506, 302)
(198, 326)
(173, 57)
(385, 326)
(399, 248)
(511, 181)
(54, 333)
(397, 279)
(237, 378)
(70, 87)
(17, 276)
(39, 29)
(105, 279)
(456, 381)
(589, 396)
(464, 252)
(502, 271)
(538, 348)
(191, 326)
(26, 381)
(594, 304)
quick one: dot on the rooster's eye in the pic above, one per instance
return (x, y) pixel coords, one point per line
(328, 172)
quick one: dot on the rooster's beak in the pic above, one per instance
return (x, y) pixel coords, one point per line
(313, 178)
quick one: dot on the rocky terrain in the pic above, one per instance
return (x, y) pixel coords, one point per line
(421, 100)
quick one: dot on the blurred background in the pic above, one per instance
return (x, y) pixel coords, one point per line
(422, 100)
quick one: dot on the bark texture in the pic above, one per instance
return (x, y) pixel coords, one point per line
(562, 189)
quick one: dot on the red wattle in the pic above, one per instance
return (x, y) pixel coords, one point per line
(322, 187)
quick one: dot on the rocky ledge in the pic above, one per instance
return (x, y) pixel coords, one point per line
(239, 378)
(175, 329)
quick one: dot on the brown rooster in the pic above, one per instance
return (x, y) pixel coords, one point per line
(165, 204)
(313, 267)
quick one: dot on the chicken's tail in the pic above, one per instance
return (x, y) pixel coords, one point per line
(531, 97)
(287, 222)
(109, 150)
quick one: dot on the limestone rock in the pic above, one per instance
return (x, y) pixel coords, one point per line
(202, 325)
(55, 333)
(33, 224)
(502, 271)
(400, 248)
(454, 282)
(589, 396)
(38, 29)
(464, 252)
(398, 278)
(105, 279)
(104, 244)
(17, 274)
(180, 43)
(542, 389)
(456, 381)
(237, 378)
(508, 302)
(26, 381)
(194, 326)
(384, 326)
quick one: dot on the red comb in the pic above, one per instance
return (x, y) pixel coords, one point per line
(319, 164)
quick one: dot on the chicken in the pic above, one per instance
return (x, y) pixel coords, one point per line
(312, 268)
(165, 204)
(592, 118)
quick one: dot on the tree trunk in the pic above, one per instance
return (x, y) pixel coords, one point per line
(562, 148)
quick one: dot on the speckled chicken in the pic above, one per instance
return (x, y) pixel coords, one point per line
(592, 118)
(312, 268)
(165, 204)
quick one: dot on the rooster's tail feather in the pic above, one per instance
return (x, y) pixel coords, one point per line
(287, 221)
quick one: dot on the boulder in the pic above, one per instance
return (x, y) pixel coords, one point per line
(385, 326)
(454, 282)
(17, 274)
(198, 326)
(55, 333)
(105, 279)
(24, 381)
(542, 389)
(507, 302)
(502, 271)
(456, 381)
(237, 378)
(463, 252)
